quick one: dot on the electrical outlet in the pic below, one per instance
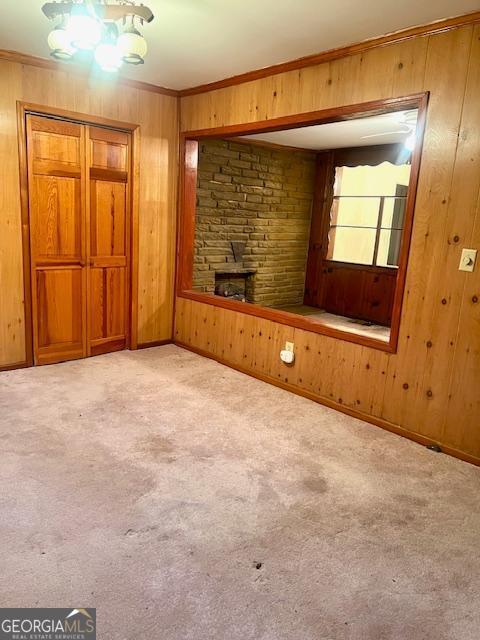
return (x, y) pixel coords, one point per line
(289, 346)
(468, 259)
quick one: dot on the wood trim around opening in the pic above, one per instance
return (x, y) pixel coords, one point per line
(309, 118)
(187, 210)
(24, 108)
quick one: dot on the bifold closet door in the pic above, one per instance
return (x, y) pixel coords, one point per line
(56, 185)
(108, 160)
(79, 195)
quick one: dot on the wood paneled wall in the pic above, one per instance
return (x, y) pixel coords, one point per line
(431, 387)
(157, 116)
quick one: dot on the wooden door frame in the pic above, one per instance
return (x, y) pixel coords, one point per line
(189, 142)
(26, 108)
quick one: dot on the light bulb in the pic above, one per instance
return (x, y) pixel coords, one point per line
(108, 57)
(410, 142)
(132, 46)
(83, 29)
(59, 43)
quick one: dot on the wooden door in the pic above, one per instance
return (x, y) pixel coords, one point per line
(79, 195)
(109, 235)
(57, 238)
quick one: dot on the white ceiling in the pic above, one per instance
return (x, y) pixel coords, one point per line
(196, 41)
(388, 128)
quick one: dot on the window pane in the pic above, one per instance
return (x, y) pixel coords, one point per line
(393, 212)
(355, 213)
(350, 244)
(391, 234)
(361, 212)
(389, 247)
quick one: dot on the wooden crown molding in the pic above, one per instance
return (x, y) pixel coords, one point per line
(45, 63)
(432, 28)
(438, 26)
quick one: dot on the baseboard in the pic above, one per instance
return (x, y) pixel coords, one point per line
(24, 364)
(355, 413)
(156, 343)
(16, 365)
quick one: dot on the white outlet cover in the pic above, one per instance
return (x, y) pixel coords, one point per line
(468, 259)
(287, 356)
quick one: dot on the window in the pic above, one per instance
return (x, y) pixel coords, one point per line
(368, 213)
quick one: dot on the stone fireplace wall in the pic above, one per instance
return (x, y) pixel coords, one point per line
(260, 195)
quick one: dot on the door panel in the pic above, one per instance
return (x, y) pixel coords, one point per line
(107, 218)
(109, 240)
(57, 238)
(56, 217)
(107, 309)
(109, 155)
(109, 149)
(79, 202)
(108, 291)
(55, 140)
(60, 327)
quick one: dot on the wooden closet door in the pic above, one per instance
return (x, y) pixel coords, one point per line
(109, 233)
(55, 152)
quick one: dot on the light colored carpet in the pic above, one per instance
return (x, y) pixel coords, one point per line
(187, 501)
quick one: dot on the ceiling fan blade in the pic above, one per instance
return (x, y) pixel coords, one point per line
(385, 133)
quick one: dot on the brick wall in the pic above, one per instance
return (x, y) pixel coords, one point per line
(262, 196)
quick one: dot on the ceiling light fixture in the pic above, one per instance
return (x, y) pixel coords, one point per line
(132, 45)
(84, 28)
(107, 54)
(60, 43)
(107, 30)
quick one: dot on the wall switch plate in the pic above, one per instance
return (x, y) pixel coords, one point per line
(468, 259)
(289, 346)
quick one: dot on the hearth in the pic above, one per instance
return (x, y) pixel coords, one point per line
(233, 281)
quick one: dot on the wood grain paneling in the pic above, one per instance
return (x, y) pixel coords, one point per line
(429, 389)
(80, 69)
(156, 175)
(12, 317)
(438, 26)
(356, 292)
